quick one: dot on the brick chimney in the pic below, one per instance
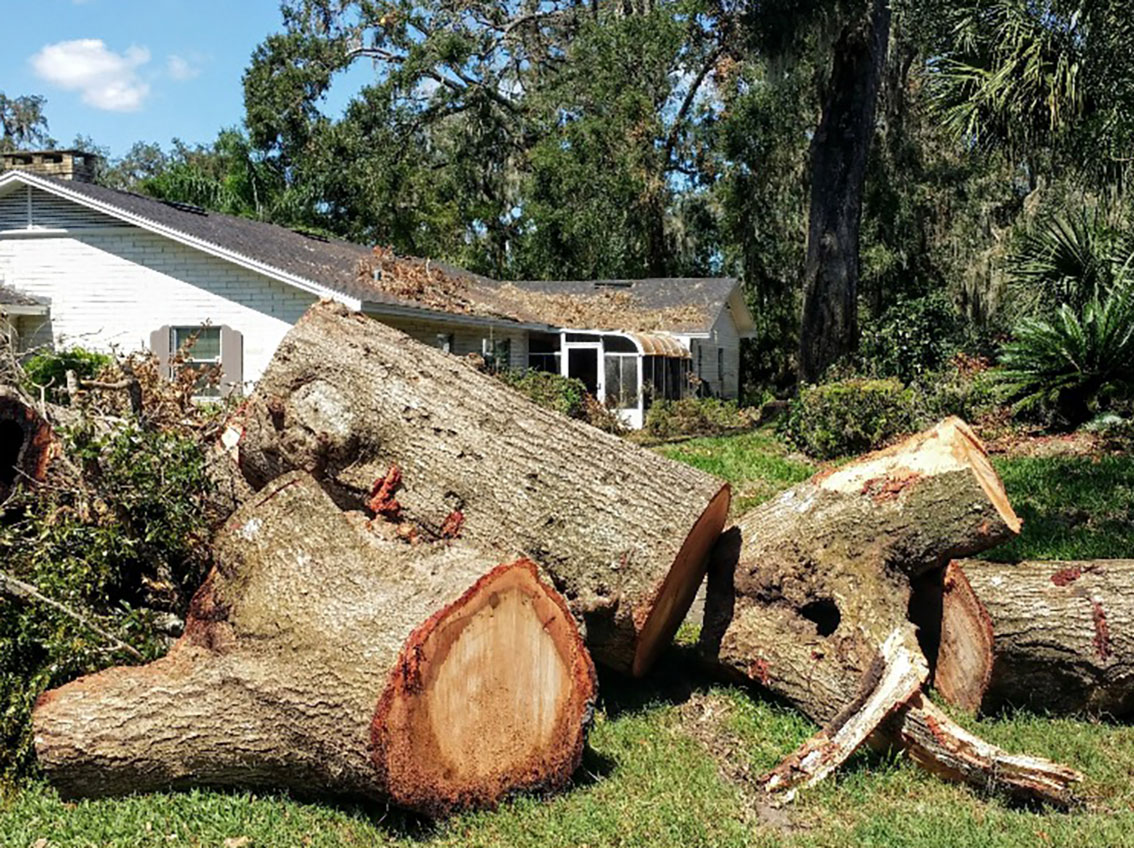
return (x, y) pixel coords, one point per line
(77, 165)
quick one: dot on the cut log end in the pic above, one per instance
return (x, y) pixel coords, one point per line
(459, 727)
(964, 652)
(677, 591)
(25, 439)
(949, 446)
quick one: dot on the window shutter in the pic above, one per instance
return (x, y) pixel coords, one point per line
(232, 360)
(159, 347)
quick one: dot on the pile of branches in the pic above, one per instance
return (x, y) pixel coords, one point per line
(414, 573)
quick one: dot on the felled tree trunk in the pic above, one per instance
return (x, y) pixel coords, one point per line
(323, 659)
(25, 441)
(1052, 636)
(809, 594)
(624, 533)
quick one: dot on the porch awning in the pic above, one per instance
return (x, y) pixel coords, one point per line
(660, 344)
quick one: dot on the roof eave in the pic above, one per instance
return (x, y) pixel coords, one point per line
(377, 308)
(174, 234)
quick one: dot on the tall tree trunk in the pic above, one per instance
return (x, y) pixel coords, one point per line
(839, 151)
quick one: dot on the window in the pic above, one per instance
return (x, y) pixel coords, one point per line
(700, 350)
(198, 349)
(622, 380)
(720, 368)
(543, 353)
(497, 353)
(445, 342)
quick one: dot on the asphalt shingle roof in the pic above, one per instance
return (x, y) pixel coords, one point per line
(335, 264)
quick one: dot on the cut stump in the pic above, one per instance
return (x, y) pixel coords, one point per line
(322, 659)
(25, 441)
(624, 533)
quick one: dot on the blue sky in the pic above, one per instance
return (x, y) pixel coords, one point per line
(122, 71)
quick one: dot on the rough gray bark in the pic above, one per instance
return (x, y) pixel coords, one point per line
(1052, 636)
(839, 151)
(321, 658)
(624, 533)
(808, 588)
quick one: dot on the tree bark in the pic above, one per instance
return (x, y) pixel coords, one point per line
(1050, 636)
(624, 533)
(809, 594)
(25, 441)
(839, 151)
(320, 658)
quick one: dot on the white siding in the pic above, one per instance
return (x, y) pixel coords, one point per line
(725, 337)
(466, 339)
(47, 212)
(114, 289)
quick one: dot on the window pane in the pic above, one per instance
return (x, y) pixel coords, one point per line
(629, 382)
(613, 380)
(206, 348)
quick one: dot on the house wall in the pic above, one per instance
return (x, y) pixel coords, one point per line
(723, 335)
(466, 339)
(114, 286)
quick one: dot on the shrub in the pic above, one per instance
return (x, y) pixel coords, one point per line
(966, 388)
(565, 395)
(849, 416)
(1070, 363)
(911, 339)
(667, 419)
(49, 368)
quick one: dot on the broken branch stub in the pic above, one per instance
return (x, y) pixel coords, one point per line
(322, 659)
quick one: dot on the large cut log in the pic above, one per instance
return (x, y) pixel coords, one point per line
(809, 594)
(624, 533)
(1051, 636)
(321, 658)
(25, 441)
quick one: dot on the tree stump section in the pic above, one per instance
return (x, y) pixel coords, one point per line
(809, 594)
(25, 441)
(323, 659)
(1049, 636)
(624, 533)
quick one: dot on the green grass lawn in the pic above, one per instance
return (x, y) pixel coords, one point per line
(671, 757)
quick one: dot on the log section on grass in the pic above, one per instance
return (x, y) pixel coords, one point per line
(1052, 636)
(810, 588)
(624, 533)
(322, 659)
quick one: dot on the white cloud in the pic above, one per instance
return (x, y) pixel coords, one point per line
(106, 80)
(182, 69)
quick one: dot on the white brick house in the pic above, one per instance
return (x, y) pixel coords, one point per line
(84, 265)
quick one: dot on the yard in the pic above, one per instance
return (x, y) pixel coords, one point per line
(670, 763)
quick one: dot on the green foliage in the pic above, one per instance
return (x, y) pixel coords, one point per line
(849, 416)
(966, 387)
(667, 419)
(913, 337)
(565, 395)
(116, 551)
(22, 122)
(48, 368)
(1074, 361)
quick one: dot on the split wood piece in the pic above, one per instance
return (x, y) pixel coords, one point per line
(938, 744)
(898, 675)
(1051, 636)
(624, 533)
(25, 441)
(322, 659)
(806, 590)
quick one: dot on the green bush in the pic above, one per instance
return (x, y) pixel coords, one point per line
(49, 368)
(912, 338)
(124, 549)
(849, 416)
(565, 395)
(1070, 364)
(667, 419)
(967, 388)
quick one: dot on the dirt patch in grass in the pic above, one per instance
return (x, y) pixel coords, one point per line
(705, 717)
